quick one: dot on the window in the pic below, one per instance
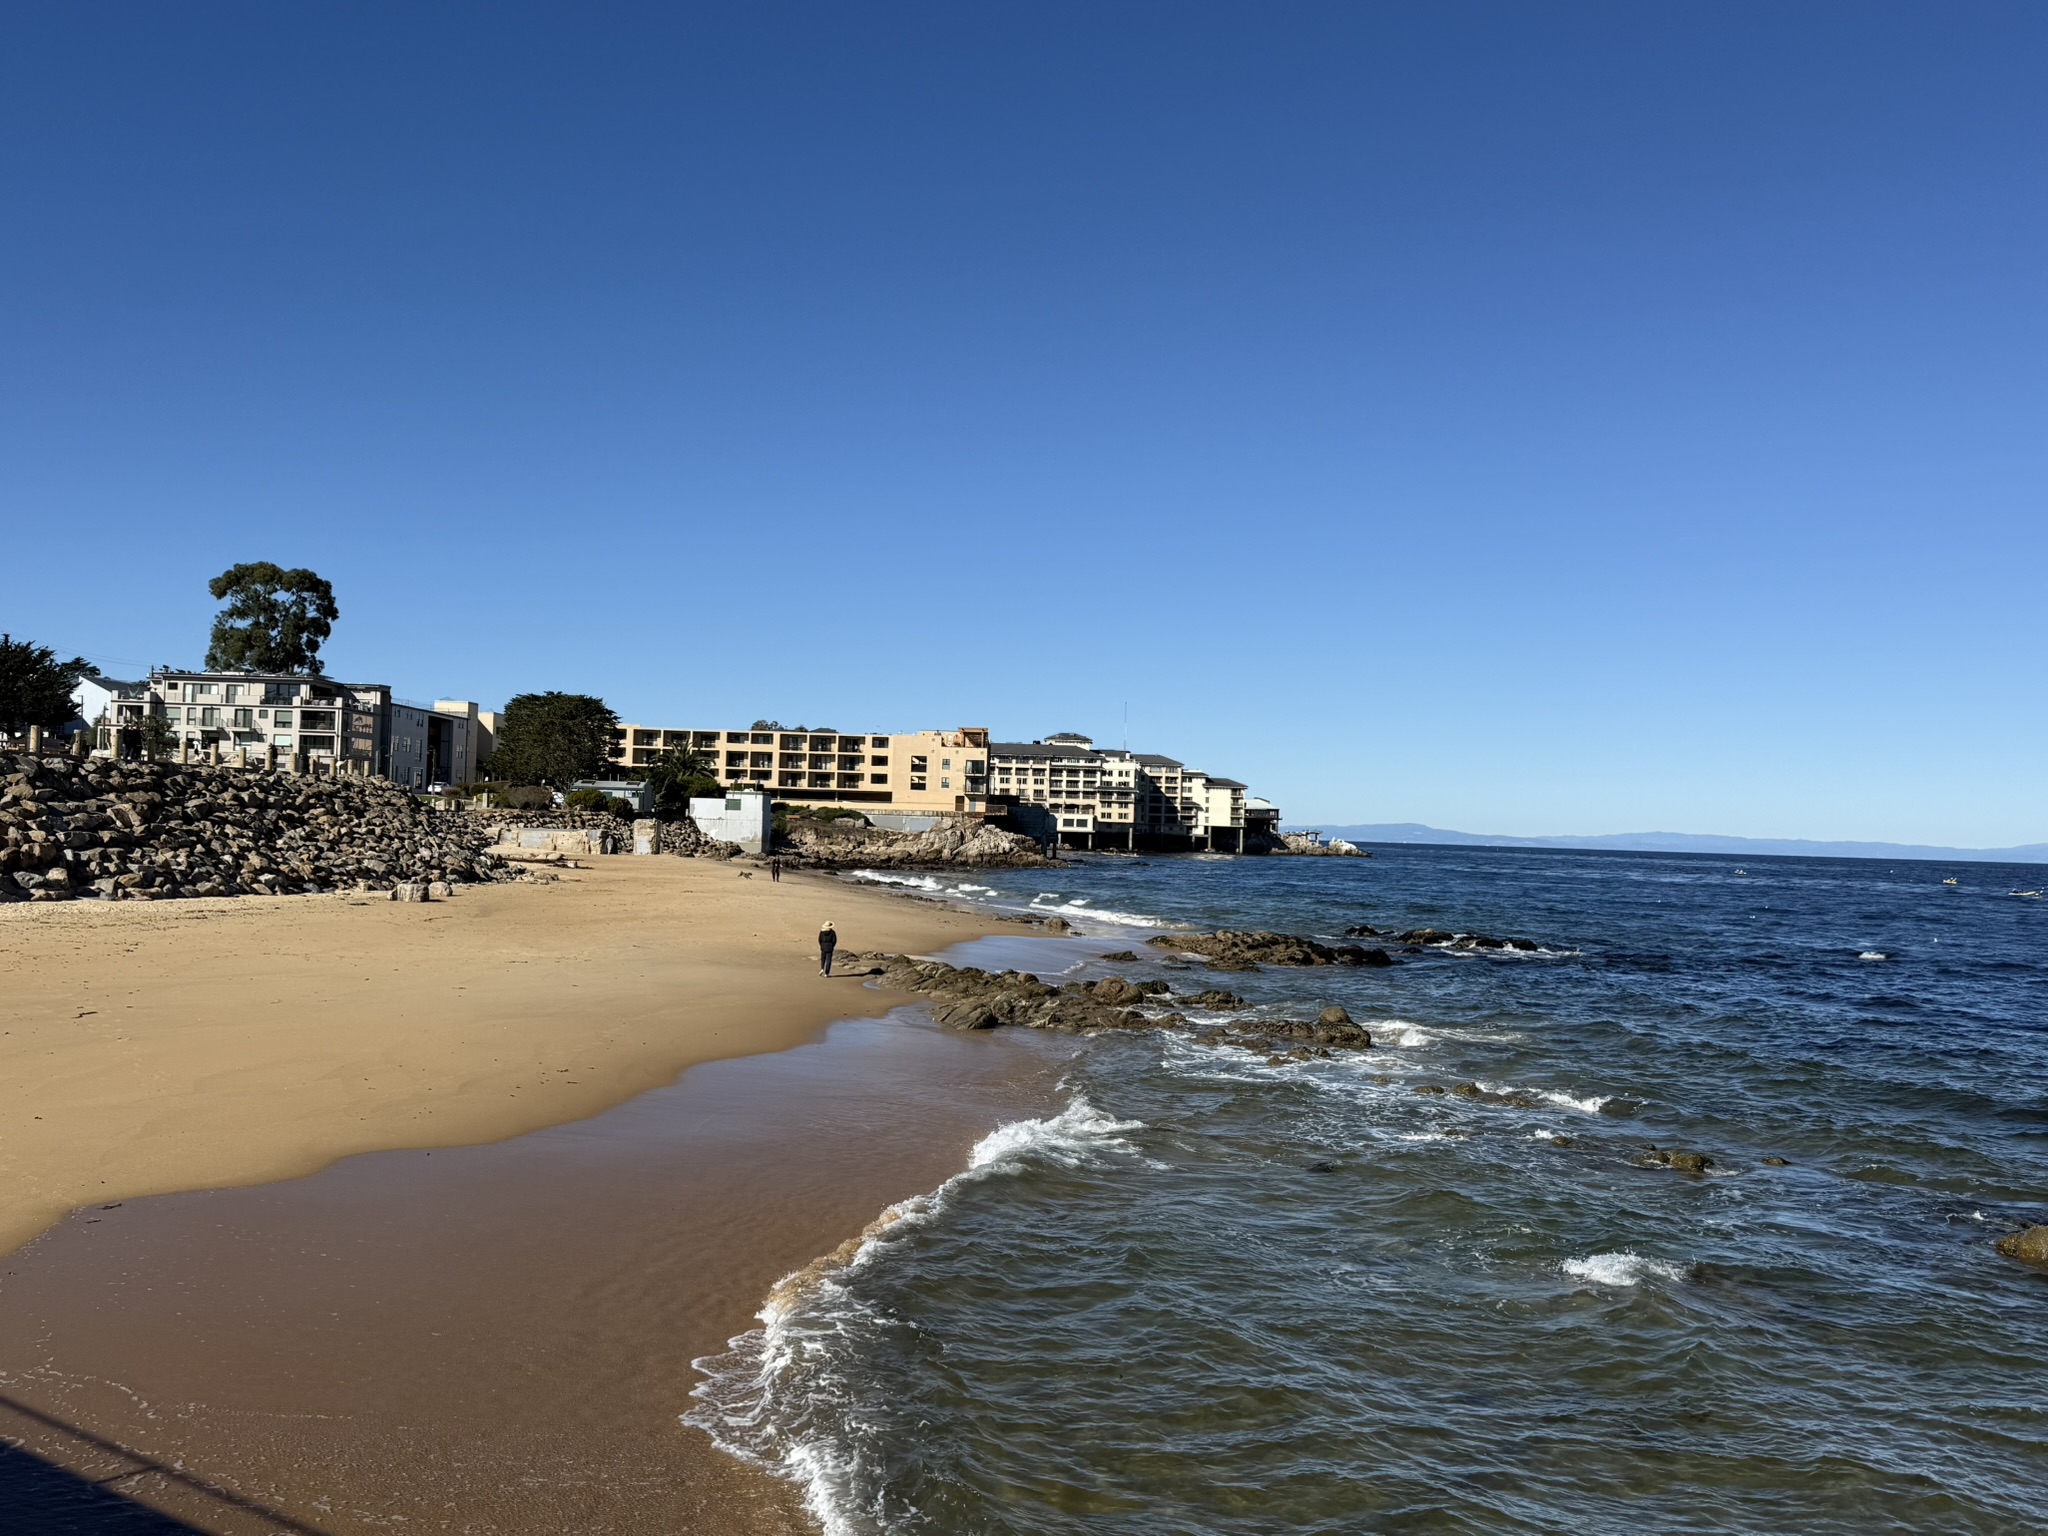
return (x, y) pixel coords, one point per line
(945, 783)
(878, 762)
(878, 741)
(916, 783)
(878, 778)
(281, 718)
(209, 717)
(283, 740)
(945, 762)
(917, 765)
(244, 719)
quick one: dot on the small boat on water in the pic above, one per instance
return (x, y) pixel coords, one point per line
(2030, 895)
(1951, 880)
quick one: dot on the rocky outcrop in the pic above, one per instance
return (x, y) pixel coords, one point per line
(1233, 950)
(955, 841)
(964, 997)
(678, 837)
(2029, 1246)
(1673, 1158)
(1309, 845)
(1441, 938)
(148, 831)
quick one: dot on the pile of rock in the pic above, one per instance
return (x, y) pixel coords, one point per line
(953, 840)
(678, 837)
(1231, 950)
(965, 997)
(154, 830)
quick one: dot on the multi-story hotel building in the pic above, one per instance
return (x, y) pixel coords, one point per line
(914, 772)
(1066, 788)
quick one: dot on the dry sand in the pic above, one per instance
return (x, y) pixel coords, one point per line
(150, 1047)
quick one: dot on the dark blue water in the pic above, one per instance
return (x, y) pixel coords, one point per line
(1216, 1295)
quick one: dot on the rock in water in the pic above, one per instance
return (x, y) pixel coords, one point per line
(2029, 1246)
(1333, 1015)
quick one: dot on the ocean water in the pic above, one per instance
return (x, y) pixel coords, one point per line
(1212, 1295)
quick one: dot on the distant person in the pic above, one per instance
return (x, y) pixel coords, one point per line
(827, 942)
(774, 870)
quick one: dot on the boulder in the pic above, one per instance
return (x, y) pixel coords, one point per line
(2030, 1246)
(1233, 950)
(1674, 1158)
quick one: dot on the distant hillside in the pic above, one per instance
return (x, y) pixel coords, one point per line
(1691, 842)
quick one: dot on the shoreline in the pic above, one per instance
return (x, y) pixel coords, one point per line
(151, 1048)
(497, 1334)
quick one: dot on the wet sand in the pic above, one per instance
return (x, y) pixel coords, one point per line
(149, 1047)
(489, 1339)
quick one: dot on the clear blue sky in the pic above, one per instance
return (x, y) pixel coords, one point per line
(1518, 418)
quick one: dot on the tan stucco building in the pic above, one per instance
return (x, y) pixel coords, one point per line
(919, 772)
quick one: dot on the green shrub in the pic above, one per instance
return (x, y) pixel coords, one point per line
(524, 797)
(585, 800)
(621, 808)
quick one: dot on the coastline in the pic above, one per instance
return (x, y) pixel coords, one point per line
(148, 1048)
(495, 1333)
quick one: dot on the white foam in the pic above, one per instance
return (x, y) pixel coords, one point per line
(883, 877)
(1079, 908)
(772, 1399)
(1871, 954)
(1586, 1106)
(1399, 1032)
(1623, 1268)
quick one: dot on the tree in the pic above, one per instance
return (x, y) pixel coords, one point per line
(275, 620)
(678, 776)
(553, 739)
(35, 687)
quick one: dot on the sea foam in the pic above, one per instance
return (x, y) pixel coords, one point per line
(779, 1397)
(1623, 1268)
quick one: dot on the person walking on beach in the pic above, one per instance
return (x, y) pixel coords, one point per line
(827, 942)
(774, 870)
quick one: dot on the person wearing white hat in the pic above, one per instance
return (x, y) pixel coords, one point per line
(828, 940)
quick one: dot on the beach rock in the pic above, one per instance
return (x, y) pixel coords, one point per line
(1776, 1162)
(1674, 1158)
(2029, 1246)
(1056, 925)
(1333, 1015)
(953, 841)
(1217, 1001)
(1231, 950)
(965, 997)
(1361, 931)
(1426, 1088)
(1120, 956)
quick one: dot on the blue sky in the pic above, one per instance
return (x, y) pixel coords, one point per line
(1561, 419)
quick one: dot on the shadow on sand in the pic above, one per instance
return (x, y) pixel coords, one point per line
(41, 1498)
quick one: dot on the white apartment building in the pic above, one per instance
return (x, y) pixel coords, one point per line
(1069, 790)
(277, 716)
(914, 772)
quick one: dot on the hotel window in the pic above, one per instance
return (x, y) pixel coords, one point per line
(917, 765)
(878, 762)
(945, 762)
(209, 717)
(945, 783)
(283, 740)
(917, 783)
(878, 741)
(244, 720)
(878, 778)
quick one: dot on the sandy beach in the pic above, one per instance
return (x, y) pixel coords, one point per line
(149, 1047)
(491, 1330)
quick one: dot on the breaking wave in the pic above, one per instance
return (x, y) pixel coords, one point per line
(1625, 1267)
(783, 1396)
